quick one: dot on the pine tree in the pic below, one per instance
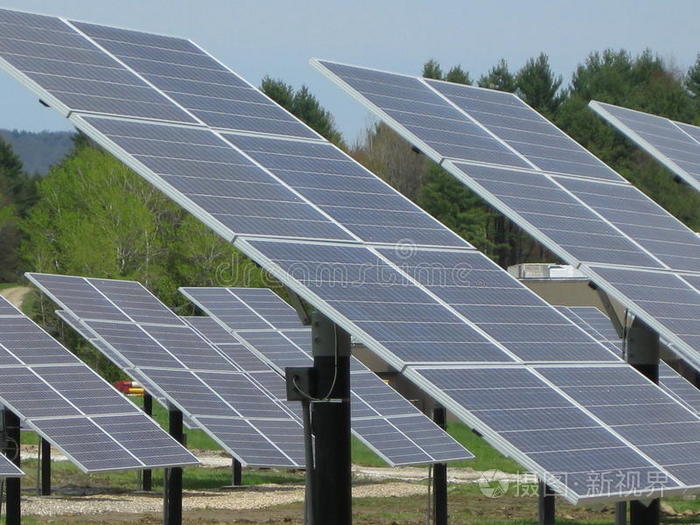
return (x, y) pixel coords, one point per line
(432, 69)
(538, 86)
(498, 77)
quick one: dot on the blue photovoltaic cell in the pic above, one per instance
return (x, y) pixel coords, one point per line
(500, 305)
(39, 390)
(424, 113)
(554, 212)
(552, 431)
(207, 89)
(675, 144)
(525, 130)
(212, 176)
(8, 469)
(600, 327)
(181, 364)
(642, 219)
(407, 436)
(666, 297)
(353, 196)
(229, 310)
(376, 298)
(76, 72)
(270, 306)
(668, 435)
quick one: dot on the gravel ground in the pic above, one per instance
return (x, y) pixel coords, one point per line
(257, 497)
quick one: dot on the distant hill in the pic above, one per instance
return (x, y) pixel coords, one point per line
(38, 150)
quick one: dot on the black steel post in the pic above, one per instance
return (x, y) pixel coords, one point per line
(147, 474)
(172, 490)
(45, 468)
(439, 477)
(330, 420)
(236, 473)
(546, 505)
(13, 502)
(621, 513)
(642, 352)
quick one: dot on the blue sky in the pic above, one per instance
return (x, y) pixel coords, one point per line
(275, 37)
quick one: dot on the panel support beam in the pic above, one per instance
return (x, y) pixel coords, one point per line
(439, 477)
(330, 420)
(172, 490)
(13, 487)
(147, 475)
(546, 505)
(45, 467)
(642, 352)
(612, 313)
(621, 513)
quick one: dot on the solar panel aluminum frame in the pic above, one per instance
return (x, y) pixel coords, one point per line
(507, 449)
(685, 350)
(598, 108)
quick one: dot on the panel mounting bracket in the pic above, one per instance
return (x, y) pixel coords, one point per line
(300, 307)
(610, 310)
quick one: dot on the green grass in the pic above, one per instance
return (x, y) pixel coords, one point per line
(487, 457)
(4, 286)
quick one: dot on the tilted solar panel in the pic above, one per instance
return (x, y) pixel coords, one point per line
(384, 420)
(675, 144)
(182, 367)
(561, 192)
(68, 404)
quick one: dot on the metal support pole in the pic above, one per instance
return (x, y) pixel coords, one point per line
(546, 505)
(641, 514)
(172, 491)
(13, 511)
(642, 352)
(330, 420)
(439, 477)
(621, 513)
(45, 468)
(146, 474)
(236, 473)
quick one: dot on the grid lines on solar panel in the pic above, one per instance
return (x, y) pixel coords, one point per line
(381, 417)
(65, 388)
(412, 104)
(380, 301)
(206, 174)
(556, 213)
(671, 440)
(675, 144)
(670, 300)
(182, 366)
(555, 433)
(353, 196)
(74, 71)
(499, 305)
(197, 82)
(9, 469)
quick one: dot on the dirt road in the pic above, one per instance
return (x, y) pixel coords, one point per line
(15, 294)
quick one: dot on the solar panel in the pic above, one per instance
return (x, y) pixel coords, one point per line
(599, 326)
(675, 144)
(9, 469)
(401, 321)
(183, 367)
(59, 397)
(562, 191)
(381, 418)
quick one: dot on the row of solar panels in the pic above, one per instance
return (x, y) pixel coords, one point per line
(229, 385)
(454, 323)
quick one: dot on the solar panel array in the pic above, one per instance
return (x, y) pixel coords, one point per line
(346, 269)
(268, 326)
(599, 326)
(675, 144)
(151, 342)
(65, 402)
(556, 190)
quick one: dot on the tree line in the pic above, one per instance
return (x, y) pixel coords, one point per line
(91, 215)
